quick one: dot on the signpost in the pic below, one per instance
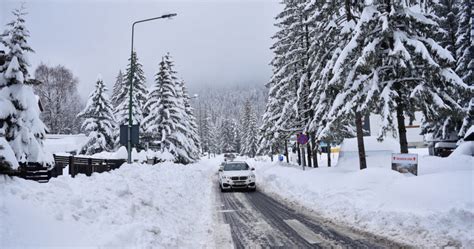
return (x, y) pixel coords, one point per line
(302, 139)
(133, 136)
(405, 163)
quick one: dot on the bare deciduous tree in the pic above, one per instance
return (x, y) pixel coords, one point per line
(60, 99)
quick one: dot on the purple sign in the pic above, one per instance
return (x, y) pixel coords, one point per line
(302, 138)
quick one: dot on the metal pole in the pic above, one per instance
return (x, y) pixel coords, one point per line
(130, 123)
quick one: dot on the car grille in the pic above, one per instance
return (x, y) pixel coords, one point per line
(238, 178)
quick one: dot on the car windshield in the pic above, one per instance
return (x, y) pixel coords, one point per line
(236, 166)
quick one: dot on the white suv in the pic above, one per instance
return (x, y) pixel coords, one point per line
(236, 175)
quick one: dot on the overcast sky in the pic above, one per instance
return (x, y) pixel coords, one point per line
(220, 42)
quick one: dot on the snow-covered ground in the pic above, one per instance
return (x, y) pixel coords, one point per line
(169, 205)
(139, 206)
(433, 209)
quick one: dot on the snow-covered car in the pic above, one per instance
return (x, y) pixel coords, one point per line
(236, 175)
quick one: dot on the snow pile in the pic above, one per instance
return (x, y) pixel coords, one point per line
(55, 143)
(465, 148)
(433, 209)
(139, 206)
(141, 156)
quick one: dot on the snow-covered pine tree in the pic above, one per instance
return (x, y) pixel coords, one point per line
(192, 128)
(281, 113)
(333, 22)
(249, 131)
(120, 82)
(170, 122)
(99, 122)
(227, 135)
(154, 128)
(251, 137)
(244, 123)
(393, 65)
(465, 60)
(205, 132)
(139, 95)
(446, 12)
(214, 137)
(21, 129)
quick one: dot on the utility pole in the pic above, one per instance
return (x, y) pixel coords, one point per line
(132, 63)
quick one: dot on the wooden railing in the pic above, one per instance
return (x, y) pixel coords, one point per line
(87, 166)
(77, 165)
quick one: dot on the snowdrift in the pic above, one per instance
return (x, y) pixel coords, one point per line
(377, 153)
(136, 206)
(433, 209)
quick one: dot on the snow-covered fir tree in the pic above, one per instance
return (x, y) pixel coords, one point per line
(170, 124)
(214, 137)
(157, 125)
(251, 137)
(192, 127)
(281, 117)
(391, 65)
(227, 135)
(465, 60)
(116, 97)
(249, 131)
(99, 122)
(21, 130)
(205, 130)
(139, 95)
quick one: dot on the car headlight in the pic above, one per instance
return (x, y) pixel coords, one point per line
(252, 176)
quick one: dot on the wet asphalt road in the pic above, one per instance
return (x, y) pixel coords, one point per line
(257, 220)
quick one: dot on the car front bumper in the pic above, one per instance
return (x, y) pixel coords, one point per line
(230, 184)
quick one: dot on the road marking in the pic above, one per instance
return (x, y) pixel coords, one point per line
(226, 211)
(304, 231)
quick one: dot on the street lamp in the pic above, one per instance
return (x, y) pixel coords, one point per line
(130, 123)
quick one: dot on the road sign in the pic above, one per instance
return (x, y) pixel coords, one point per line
(405, 163)
(124, 134)
(302, 138)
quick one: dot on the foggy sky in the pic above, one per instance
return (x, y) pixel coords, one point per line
(220, 42)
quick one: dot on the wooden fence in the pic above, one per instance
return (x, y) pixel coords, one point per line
(87, 166)
(77, 165)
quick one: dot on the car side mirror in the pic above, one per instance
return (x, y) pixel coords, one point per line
(252, 169)
(220, 170)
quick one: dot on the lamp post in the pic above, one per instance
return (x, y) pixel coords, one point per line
(130, 122)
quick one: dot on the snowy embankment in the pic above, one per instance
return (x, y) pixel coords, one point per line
(142, 206)
(433, 209)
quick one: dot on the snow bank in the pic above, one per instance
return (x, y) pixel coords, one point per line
(465, 148)
(56, 143)
(378, 154)
(136, 206)
(433, 209)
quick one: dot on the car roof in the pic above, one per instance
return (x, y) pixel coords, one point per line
(232, 162)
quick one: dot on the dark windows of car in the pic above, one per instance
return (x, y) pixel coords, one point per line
(236, 166)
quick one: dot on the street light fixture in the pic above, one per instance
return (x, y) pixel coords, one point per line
(130, 122)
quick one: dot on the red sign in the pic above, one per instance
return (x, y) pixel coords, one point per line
(405, 163)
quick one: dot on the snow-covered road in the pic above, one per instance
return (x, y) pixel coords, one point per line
(257, 220)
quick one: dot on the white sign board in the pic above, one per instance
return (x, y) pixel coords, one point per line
(405, 163)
